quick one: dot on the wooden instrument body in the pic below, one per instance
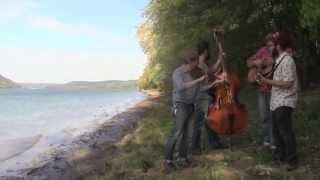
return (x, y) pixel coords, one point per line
(261, 66)
(227, 116)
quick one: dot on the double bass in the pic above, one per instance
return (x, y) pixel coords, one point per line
(226, 116)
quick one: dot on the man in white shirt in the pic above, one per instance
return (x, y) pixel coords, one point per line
(284, 96)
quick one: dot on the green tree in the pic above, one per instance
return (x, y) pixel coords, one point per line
(171, 26)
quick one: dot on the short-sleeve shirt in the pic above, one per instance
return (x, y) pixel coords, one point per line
(286, 71)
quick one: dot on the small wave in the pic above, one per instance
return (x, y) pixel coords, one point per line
(14, 147)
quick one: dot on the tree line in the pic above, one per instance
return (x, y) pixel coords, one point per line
(172, 25)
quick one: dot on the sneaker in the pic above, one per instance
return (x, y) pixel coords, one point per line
(169, 167)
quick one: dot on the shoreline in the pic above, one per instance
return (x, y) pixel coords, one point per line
(87, 152)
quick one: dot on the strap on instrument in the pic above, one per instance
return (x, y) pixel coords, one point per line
(274, 68)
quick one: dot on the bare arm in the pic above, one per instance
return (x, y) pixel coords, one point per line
(219, 62)
(287, 78)
(214, 68)
(190, 84)
(278, 83)
(207, 87)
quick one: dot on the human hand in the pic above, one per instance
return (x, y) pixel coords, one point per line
(221, 76)
(218, 81)
(202, 78)
(214, 83)
(224, 76)
(260, 79)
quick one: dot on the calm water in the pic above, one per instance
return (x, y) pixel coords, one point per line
(26, 112)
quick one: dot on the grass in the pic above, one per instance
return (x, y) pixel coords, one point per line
(141, 152)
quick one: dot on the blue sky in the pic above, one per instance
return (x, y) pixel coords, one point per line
(58, 41)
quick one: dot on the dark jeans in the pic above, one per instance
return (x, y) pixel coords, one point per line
(179, 134)
(201, 112)
(284, 136)
(265, 116)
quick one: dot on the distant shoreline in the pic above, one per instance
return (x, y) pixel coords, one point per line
(75, 85)
(6, 83)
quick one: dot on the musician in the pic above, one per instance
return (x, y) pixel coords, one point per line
(183, 97)
(203, 101)
(284, 95)
(264, 59)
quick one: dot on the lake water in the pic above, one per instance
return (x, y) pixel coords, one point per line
(51, 113)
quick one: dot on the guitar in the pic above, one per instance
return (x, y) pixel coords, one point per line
(260, 66)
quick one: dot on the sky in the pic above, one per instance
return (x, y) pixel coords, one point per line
(57, 41)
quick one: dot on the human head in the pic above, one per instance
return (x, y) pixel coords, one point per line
(283, 42)
(190, 59)
(269, 42)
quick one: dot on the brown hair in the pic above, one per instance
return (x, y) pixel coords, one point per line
(284, 40)
(189, 56)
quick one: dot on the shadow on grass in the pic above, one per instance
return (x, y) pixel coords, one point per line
(142, 151)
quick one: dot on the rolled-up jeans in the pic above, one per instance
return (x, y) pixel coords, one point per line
(182, 113)
(201, 113)
(265, 115)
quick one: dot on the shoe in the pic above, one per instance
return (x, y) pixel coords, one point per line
(183, 162)
(292, 166)
(169, 167)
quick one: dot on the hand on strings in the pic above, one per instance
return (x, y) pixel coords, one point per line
(202, 78)
(260, 79)
(216, 82)
(223, 76)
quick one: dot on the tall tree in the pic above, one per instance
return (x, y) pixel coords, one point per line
(171, 26)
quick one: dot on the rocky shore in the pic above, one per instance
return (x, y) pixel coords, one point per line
(88, 153)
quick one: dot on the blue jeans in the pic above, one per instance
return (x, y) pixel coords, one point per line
(179, 134)
(201, 112)
(265, 115)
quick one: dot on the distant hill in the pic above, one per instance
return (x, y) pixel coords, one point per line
(96, 85)
(7, 83)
